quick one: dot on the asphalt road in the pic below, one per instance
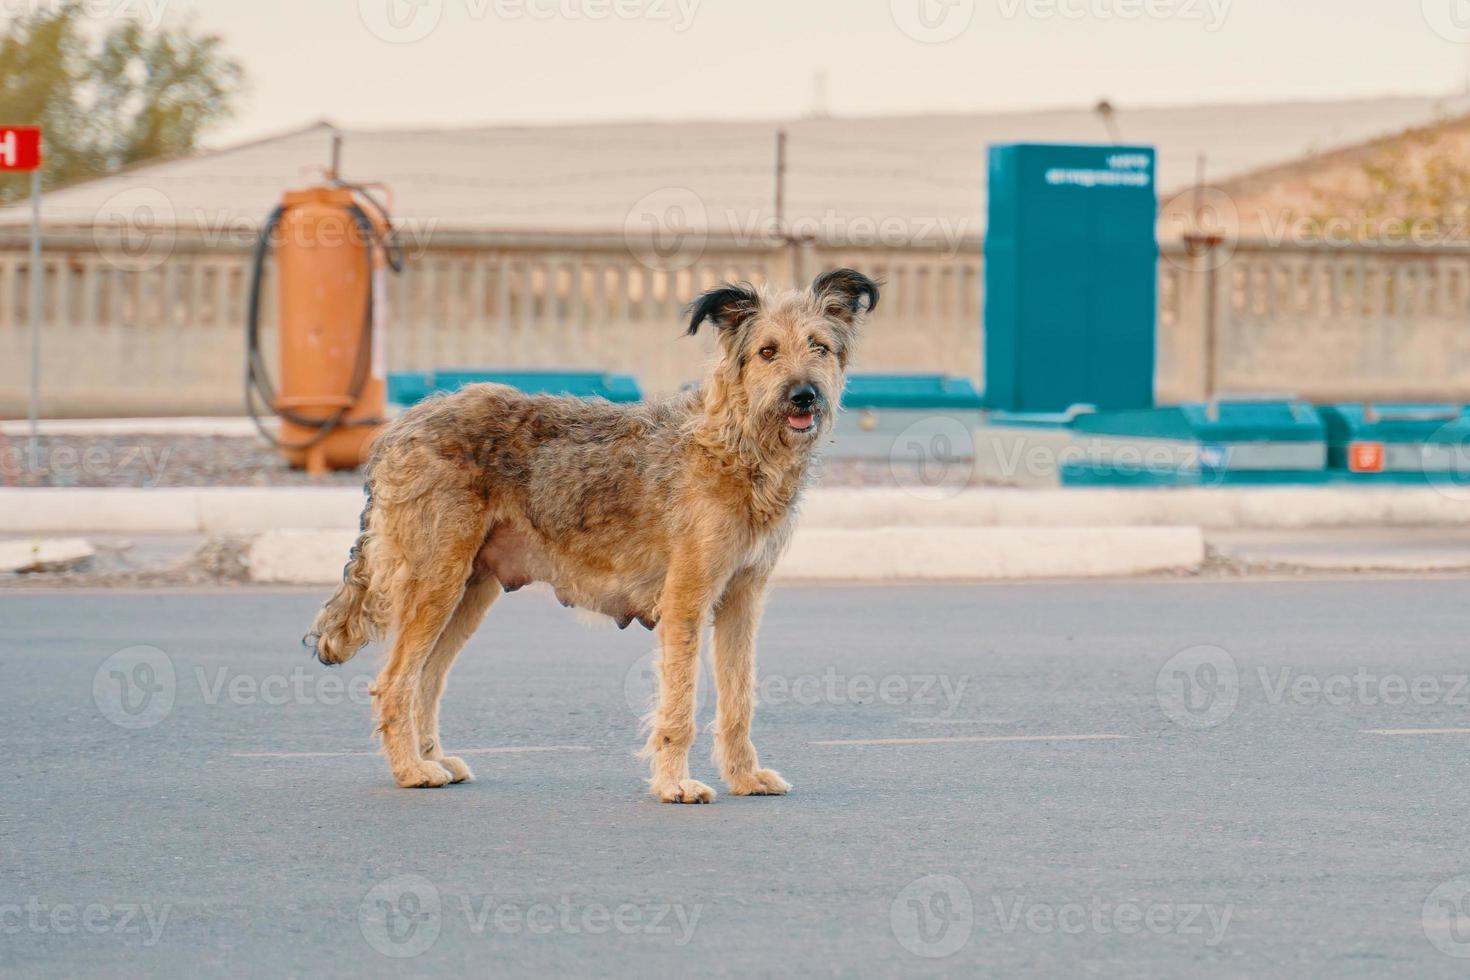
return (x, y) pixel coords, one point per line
(1156, 779)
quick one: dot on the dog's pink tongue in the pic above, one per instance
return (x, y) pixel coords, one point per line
(800, 421)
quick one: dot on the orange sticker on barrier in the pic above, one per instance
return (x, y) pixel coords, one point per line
(1365, 457)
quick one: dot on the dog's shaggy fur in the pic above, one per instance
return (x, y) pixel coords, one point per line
(663, 512)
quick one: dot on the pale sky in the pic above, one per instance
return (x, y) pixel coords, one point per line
(480, 61)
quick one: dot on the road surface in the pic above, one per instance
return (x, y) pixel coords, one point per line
(1158, 779)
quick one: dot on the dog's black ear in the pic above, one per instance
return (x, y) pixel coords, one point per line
(846, 293)
(726, 306)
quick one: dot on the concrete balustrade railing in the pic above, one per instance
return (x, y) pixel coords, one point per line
(137, 328)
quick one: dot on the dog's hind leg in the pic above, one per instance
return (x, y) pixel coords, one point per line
(426, 592)
(737, 615)
(481, 592)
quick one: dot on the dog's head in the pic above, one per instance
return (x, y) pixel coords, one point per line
(784, 356)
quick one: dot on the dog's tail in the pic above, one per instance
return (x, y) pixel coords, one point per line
(348, 621)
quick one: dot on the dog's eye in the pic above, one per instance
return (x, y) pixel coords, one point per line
(821, 349)
(768, 353)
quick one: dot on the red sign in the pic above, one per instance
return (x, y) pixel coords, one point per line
(1365, 457)
(20, 148)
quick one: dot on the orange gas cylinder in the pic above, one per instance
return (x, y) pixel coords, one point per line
(332, 255)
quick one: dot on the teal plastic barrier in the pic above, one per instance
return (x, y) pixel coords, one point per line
(410, 388)
(1395, 438)
(917, 391)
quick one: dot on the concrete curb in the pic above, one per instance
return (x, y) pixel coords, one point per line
(304, 557)
(243, 510)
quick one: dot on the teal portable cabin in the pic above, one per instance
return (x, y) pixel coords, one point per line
(1071, 278)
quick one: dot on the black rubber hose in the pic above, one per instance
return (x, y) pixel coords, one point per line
(258, 383)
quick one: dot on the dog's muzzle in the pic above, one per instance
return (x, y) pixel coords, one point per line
(802, 409)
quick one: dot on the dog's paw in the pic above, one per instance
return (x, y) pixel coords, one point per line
(423, 775)
(684, 791)
(458, 771)
(761, 782)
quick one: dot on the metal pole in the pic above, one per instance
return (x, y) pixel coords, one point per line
(786, 239)
(781, 182)
(35, 304)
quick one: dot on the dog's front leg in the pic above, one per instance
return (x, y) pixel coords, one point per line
(682, 609)
(737, 616)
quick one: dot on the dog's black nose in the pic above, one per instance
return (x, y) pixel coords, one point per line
(802, 395)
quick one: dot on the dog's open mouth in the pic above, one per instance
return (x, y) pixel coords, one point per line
(802, 423)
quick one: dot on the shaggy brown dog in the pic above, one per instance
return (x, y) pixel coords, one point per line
(661, 512)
